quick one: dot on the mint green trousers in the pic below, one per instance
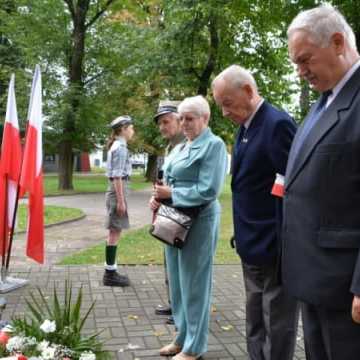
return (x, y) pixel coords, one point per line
(190, 281)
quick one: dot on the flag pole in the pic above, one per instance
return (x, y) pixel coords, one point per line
(11, 233)
(11, 283)
(5, 234)
(13, 221)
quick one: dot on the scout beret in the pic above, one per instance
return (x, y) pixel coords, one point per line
(121, 121)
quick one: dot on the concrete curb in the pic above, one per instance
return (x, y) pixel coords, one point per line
(83, 216)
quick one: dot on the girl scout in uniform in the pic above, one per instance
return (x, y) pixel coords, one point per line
(194, 174)
(118, 172)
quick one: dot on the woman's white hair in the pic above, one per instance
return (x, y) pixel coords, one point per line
(321, 23)
(235, 76)
(196, 105)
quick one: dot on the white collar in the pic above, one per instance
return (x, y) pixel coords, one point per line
(342, 82)
(121, 139)
(248, 121)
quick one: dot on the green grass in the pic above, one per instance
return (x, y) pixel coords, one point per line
(139, 247)
(89, 183)
(52, 215)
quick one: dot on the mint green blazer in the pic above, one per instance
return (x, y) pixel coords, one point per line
(196, 172)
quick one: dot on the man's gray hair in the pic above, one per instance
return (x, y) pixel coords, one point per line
(321, 23)
(236, 76)
(196, 105)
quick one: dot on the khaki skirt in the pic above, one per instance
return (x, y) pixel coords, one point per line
(113, 220)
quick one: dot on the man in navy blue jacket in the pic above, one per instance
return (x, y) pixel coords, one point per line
(260, 152)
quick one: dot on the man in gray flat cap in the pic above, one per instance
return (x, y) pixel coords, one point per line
(168, 122)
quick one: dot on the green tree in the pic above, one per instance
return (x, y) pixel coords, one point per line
(63, 50)
(83, 17)
(103, 58)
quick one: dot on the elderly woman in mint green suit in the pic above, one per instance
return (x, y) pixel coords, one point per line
(194, 174)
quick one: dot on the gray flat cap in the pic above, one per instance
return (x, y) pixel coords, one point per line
(166, 107)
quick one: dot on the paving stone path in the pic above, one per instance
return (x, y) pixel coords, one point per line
(131, 329)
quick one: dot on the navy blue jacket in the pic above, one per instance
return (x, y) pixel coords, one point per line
(257, 158)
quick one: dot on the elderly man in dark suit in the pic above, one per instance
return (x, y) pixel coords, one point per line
(321, 228)
(260, 152)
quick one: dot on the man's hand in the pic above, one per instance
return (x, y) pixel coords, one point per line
(355, 313)
(121, 207)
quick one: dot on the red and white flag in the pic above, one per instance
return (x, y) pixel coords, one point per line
(10, 166)
(278, 187)
(31, 179)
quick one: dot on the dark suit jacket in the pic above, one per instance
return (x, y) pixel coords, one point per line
(254, 167)
(321, 228)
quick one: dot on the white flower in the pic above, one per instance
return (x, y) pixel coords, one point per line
(15, 343)
(20, 343)
(43, 345)
(87, 355)
(31, 341)
(8, 328)
(48, 326)
(48, 353)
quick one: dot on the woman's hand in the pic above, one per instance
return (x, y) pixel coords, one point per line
(154, 205)
(121, 207)
(162, 192)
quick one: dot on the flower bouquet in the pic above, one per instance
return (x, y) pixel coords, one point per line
(51, 331)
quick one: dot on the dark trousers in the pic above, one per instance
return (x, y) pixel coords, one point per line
(271, 315)
(330, 334)
(166, 278)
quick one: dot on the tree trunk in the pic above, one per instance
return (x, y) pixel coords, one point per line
(76, 90)
(151, 168)
(204, 80)
(66, 166)
(78, 11)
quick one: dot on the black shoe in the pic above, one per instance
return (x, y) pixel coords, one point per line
(170, 320)
(112, 278)
(163, 310)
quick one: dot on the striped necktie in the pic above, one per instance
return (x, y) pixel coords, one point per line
(239, 139)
